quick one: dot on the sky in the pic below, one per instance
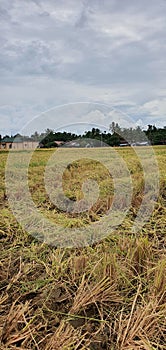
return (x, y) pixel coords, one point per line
(55, 53)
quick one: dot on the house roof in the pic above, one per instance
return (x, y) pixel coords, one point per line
(7, 139)
(59, 142)
(16, 139)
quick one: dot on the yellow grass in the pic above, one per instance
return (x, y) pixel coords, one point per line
(108, 295)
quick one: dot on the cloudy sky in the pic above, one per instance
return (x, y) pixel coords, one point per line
(57, 52)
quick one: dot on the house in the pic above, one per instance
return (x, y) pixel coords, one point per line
(6, 143)
(143, 143)
(18, 143)
(124, 144)
(72, 144)
(59, 143)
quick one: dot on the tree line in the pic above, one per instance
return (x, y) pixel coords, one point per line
(114, 137)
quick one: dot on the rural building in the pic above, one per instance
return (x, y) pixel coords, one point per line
(59, 143)
(124, 144)
(143, 143)
(18, 143)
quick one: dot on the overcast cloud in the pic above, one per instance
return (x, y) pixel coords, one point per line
(56, 52)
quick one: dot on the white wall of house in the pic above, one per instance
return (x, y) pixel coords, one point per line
(25, 145)
(6, 145)
(19, 145)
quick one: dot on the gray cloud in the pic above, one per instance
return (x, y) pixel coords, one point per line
(60, 52)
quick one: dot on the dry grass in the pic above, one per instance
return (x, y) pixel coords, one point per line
(111, 295)
(66, 337)
(101, 292)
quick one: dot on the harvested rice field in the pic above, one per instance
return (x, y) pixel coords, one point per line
(109, 293)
